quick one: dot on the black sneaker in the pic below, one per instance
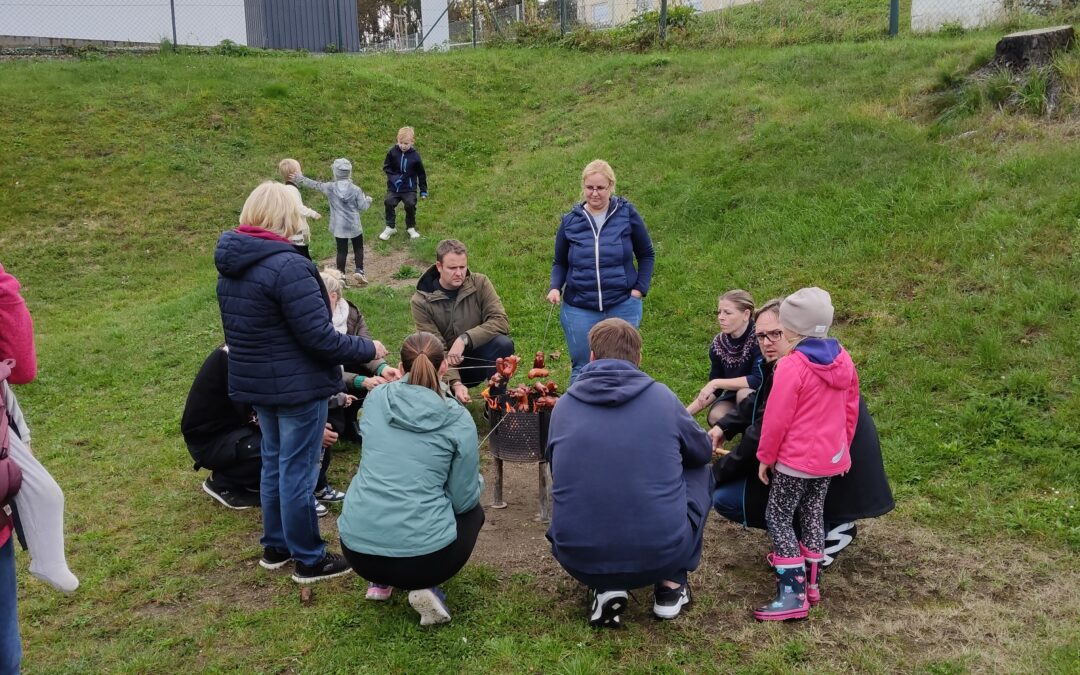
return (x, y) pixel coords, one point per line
(233, 499)
(274, 558)
(332, 565)
(669, 601)
(606, 608)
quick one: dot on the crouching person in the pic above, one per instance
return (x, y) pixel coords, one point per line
(630, 481)
(412, 513)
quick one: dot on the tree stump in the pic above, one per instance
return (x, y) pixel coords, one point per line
(1033, 47)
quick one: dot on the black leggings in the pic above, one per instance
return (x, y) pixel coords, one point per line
(343, 252)
(422, 571)
(786, 495)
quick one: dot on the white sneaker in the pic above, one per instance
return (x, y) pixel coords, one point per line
(387, 233)
(413, 234)
(430, 604)
(360, 277)
(321, 510)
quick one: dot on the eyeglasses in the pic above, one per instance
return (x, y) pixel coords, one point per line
(597, 188)
(770, 335)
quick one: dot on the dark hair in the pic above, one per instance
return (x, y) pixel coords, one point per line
(422, 354)
(615, 339)
(449, 246)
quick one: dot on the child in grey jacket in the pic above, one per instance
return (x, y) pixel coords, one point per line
(347, 202)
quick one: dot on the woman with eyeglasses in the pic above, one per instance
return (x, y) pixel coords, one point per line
(603, 262)
(732, 353)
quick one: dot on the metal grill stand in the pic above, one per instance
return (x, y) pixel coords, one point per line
(521, 437)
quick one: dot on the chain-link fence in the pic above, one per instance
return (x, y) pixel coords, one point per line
(400, 25)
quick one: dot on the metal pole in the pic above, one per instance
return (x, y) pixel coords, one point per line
(663, 21)
(894, 17)
(474, 23)
(172, 10)
(562, 17)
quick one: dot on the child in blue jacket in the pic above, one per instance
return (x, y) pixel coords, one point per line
(404, 174)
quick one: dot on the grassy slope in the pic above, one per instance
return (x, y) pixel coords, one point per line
(951, 259)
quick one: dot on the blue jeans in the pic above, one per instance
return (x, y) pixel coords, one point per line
(10, 648)
(576, 323)
(728, 501)
(291, 444)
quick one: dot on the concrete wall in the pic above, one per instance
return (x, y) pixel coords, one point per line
(930, 15)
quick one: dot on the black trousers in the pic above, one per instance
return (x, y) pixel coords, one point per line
(391, 202)
(343, 252)
(235, 459)
(422, 571)
(478, 364)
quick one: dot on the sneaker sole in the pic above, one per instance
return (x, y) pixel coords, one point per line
(321, 577)
(221, 500)
(266, 565)
(429, 608)
(377, 597)
(610, 614)
(666, 613)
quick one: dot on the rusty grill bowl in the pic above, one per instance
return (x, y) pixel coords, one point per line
(520, 437)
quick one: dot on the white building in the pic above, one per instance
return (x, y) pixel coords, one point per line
(931, 15)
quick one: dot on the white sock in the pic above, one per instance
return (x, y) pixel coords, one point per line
(40, 503)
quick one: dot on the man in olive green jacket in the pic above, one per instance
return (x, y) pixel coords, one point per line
(466, 312)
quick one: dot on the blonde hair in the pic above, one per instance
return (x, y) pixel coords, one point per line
(334, 280)
(271, 207)
(771, 306)
(422, 355)
(615, 339)
(601, 167)
(287, 167)
(404, 132)
(741, 299)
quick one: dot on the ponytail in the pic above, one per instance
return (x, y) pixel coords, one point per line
(422, 355)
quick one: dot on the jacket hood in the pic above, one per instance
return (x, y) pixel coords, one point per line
(239, 249)
(418, 409)
(614, 203)
(609, 382)
(429, 282)
(828, 361)
(342, 168)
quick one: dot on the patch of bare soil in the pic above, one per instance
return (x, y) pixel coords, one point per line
(908, 594)
(383, 268)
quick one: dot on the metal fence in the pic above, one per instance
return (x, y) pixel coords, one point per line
(332, 25)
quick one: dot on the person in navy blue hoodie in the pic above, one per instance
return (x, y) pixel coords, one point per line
(404, 174)
(630, 481)
(283, 360)
(593, 272)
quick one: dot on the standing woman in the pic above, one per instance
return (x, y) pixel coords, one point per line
(596, 247)
(283, 360)
(412, 513)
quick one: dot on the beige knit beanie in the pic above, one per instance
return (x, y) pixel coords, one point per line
(807, 311)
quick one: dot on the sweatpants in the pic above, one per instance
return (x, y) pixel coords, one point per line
(392, 200)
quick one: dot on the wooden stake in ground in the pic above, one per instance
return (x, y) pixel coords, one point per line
(1033, 47)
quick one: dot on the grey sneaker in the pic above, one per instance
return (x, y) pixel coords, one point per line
(359, 277)
(387, 233)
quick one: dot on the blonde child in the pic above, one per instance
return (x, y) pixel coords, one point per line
(347, 202)
(805, 441)
(404, 174)
(301, 240)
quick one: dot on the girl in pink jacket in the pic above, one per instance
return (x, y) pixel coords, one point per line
(805, 441)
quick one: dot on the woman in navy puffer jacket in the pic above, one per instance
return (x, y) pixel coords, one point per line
(593, 271)
(283, 360)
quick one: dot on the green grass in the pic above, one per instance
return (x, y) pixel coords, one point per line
(951, 257)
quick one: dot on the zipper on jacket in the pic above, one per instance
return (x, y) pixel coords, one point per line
(596, 249)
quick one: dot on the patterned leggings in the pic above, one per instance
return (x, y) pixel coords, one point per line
(786, 495)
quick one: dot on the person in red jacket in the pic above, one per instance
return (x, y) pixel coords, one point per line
(805, 441)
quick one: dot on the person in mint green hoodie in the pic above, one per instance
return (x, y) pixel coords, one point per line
(412, 512)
